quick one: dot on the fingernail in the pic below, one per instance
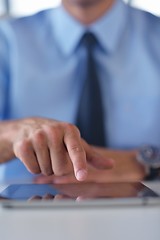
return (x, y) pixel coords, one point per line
(81, 175)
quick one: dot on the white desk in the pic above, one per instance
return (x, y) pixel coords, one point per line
(134, 223)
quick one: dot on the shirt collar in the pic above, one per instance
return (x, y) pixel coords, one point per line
(109, 27)
(68, 31)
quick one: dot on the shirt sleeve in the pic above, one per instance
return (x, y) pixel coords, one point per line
(4, 69)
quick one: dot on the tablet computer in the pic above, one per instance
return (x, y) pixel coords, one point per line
(77, 195)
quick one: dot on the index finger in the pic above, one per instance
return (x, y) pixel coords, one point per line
(76, 152)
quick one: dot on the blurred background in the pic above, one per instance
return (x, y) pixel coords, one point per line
(16, 8)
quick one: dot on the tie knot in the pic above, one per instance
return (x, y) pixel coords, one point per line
(89, 39)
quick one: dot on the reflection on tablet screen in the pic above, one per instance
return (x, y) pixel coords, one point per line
(76, 191)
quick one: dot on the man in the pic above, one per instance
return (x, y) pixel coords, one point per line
(41, 62)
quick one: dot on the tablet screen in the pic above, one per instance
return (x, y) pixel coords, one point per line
(77, 191)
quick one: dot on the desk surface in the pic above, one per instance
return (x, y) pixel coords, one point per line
(114, 223)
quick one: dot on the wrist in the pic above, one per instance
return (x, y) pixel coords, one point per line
(8, 132)
(149, 156)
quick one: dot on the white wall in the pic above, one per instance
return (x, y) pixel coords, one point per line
(1, 7)
(149, 5)
(25, 7)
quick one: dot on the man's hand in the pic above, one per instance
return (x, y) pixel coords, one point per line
(126, 169)
(49, 147)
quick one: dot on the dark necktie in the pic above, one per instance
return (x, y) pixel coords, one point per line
(90, 119)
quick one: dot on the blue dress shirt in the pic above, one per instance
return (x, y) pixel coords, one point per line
(41, 72)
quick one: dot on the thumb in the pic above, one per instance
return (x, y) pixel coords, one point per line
(96, 159)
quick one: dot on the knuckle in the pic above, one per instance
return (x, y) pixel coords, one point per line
(76, 148)
(22, 147)
(55, 135)
(39, 137)
(71, 129)
(49, 128)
